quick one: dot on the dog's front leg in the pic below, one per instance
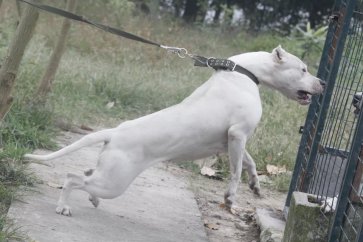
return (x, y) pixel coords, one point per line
(72, 181)
(236, 149)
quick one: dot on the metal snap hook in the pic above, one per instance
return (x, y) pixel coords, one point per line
(182, 52)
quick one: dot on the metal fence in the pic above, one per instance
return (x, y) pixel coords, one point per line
(329, 163)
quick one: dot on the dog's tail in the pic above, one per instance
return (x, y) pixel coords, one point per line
(100, 136)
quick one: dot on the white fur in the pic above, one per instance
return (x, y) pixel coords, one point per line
(328, 204)
(357, 102)
(217, 117)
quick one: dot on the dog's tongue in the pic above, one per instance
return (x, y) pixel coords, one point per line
(303, 95)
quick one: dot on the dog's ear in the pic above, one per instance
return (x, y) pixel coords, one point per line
(279, 54)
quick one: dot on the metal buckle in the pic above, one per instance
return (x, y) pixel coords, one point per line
(234, 66)
(181, 52)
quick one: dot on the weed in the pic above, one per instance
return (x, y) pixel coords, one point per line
(26, 127)
(281, 182)
(311, 40)
(222, 165)
(10, 232)
(12, 175)
(190, 166)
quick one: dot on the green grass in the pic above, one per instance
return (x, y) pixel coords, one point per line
(23, 129)
(99, 68)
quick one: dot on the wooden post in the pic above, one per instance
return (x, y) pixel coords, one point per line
(18, 8)
(48, 77)
(11, 63)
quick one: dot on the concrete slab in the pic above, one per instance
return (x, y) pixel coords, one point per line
(271, 225)
(305, 221)
(158, 207)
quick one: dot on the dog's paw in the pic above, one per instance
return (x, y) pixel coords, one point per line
(257, 191)
(254, 185)
(232, 209)
(94, 200)
(228, 200)
(64, 210)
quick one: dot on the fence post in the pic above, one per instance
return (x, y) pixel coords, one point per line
(347, 182)
(360, 236)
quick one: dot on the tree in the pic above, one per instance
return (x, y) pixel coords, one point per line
(178, 5)
(194, 9)
(190, 11)
(11, 63)
(49, 75)
(217, 5)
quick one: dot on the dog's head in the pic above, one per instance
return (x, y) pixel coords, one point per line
(357, 102)
(292, 78)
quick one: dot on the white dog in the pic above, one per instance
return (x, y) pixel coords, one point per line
(217, 117)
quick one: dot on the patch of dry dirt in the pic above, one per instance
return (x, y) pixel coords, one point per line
(221, 225)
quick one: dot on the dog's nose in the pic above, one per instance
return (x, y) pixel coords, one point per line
(322, 83)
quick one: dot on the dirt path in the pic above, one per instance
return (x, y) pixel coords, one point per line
(222, 226)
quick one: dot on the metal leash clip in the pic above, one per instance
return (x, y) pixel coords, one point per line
(181, 52)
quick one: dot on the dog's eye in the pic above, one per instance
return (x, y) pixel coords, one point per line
(304, 69)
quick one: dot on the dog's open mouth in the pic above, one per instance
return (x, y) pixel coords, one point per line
(304, 97)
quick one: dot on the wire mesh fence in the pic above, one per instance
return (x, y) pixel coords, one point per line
(329, 163)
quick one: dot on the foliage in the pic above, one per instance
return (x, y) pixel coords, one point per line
(22, 130)
(281, 182)
(310, 39)
(27, 127)
(257, 15)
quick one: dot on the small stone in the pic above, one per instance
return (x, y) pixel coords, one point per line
(217, 216)
(241, 226)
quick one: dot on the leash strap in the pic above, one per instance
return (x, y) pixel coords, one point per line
(223, 64)
(217, 64)
(79, 18)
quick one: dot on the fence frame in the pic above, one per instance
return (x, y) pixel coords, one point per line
(317, 116)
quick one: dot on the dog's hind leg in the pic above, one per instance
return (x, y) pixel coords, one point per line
(93, 199)
(96, 185)
(250, 166)
(236, 149)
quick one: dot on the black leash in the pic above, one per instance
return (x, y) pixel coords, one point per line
(217, 64)
(79, 18)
